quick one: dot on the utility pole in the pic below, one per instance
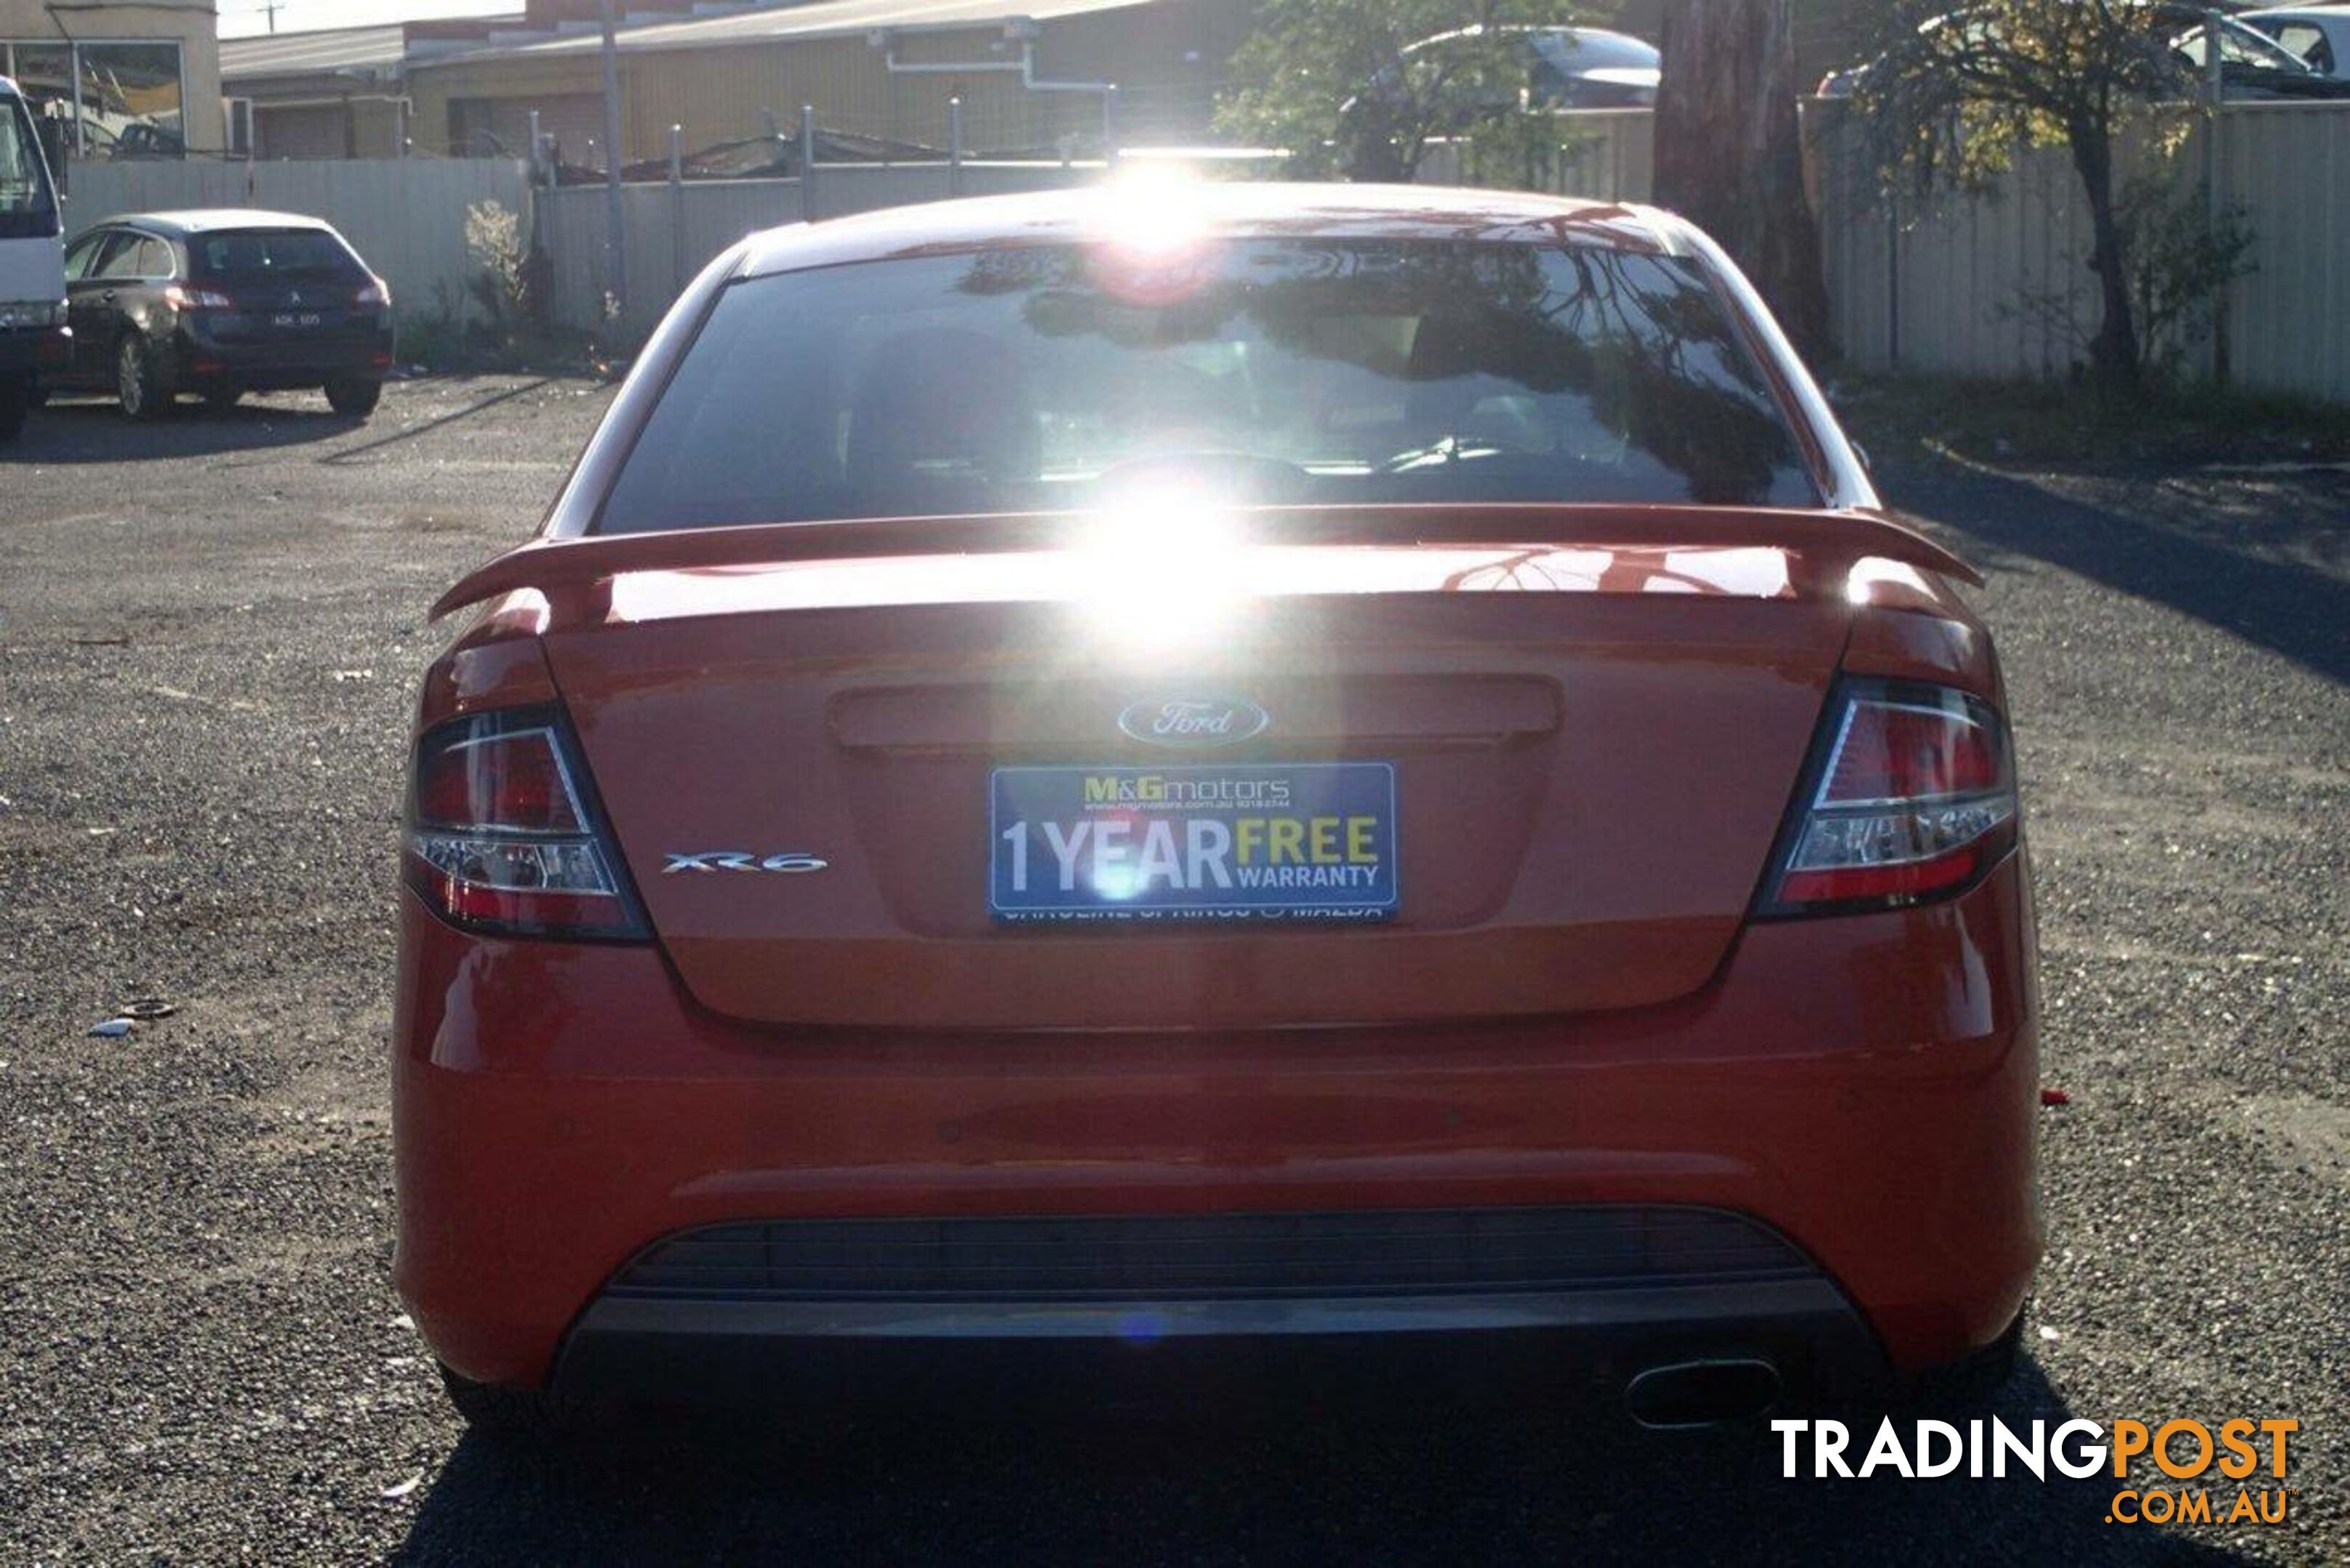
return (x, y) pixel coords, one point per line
(616, 232)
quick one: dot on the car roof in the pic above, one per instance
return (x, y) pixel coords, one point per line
(1594, 48)
(2331, 12)
(1217, 210)
(211, 219)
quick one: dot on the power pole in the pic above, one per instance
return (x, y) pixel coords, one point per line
(616, 232)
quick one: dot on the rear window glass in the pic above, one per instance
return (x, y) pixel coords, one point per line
(1270, 372)
(254, 255)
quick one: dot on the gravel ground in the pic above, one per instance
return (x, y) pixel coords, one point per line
(208, 648)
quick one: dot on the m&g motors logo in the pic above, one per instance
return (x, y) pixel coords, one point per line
(2227, 1470)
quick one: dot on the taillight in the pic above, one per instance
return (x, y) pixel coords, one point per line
(375, 295)
(180, 296)
(504, 835)
(1912, 797)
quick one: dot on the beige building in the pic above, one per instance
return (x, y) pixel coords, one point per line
(117, 80)
(338, 93)
(1033, 76)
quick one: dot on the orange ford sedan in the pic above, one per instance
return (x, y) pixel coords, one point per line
(1219, 767)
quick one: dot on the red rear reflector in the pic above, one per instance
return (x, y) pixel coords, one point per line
(502, 837)
(1915, 797)
(1851, 882)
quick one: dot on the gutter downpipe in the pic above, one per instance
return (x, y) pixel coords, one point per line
(1027, 70)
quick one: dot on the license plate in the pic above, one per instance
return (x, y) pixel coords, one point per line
(1295, 841)
(295, 319)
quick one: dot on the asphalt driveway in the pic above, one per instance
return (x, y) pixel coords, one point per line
(209, 636)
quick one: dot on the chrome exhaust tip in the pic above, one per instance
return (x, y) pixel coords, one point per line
(1681, 1395)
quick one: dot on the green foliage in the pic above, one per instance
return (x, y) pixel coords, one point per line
(1337, 86)
(435, 341)
(2181, 257)
(1957, 95)
(500, 253)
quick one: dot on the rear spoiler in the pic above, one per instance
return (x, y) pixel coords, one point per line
(1839, 538)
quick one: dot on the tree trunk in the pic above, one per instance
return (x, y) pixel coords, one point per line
(1730, 154)
(1375, 153)
(2113, 352)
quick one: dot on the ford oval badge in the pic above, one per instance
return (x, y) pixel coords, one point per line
(1203, 722)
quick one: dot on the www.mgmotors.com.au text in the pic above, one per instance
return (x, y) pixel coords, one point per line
(2181, 1449)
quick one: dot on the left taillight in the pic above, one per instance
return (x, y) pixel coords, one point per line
(505, 837)
(1910, 798)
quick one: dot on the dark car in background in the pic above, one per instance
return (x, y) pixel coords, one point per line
(1564, 67)
(2317, 36)
(219, 303)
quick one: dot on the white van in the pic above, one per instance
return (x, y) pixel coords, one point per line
(32, 262)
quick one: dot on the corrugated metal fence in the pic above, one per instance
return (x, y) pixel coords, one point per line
(673, 230)
(1606, 154)
(1999, 284)
(407, 216)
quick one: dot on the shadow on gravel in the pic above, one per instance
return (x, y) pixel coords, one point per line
(353, 454)
(96, 432)
(1411, 1470)
(2289, 608)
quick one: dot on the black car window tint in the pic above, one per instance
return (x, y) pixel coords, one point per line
(1263, 372)
(261, 255)
(84, 252)
(121, 258)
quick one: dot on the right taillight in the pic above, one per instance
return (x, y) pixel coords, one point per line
(504, 836)
(1912, 796)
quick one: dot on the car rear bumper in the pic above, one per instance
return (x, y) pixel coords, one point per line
(1861, 1090)
(1601, 1284)
(199, 361)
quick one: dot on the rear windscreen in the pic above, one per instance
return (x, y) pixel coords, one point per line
(253, 255)
(1267, 372)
